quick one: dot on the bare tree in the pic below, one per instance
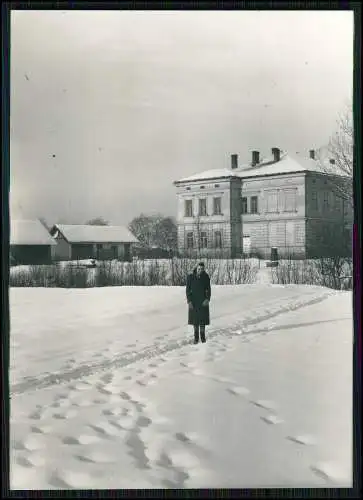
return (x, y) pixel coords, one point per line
(337, 160)
(155, 230)
(97, 221)
(197, 233)
(166, 233)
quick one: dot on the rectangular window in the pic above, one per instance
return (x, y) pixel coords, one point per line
(290, 234)
(188, 208)
(345, 208)
(337, 202)
(299, 234)
(203, 206)
(218, 239)
(326, 200)
(217, 206)
(254, 204)
(290, 200)
(190, 240)
(203, 240)
(272, 201)
(314, 200)
(244, 205)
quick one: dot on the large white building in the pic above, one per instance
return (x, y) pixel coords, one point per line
(284, 201)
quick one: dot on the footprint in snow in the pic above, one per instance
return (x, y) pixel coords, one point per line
(66, 415)
(83, 439)
(61, 403)
(36, 415)
(266, 405)
(329, 472)
(66, 478)
(272, 420)
(142, 383)
(43, 429)
(107, 378)
(304, 439)
(31, 461)
(115, 412)
(238, 391)
(125, 396)
(104, 429)
(96, 457)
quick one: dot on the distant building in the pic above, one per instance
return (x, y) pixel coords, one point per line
(30, 243)
(283, 201)
(92, 242)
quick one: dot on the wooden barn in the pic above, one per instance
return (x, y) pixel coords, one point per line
(76, 242)
(30, 243)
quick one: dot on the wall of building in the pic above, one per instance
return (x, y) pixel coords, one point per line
(209, 223)
(31, 254)
(329, 219)
(235, 217)
(62, 250)
(280, 219)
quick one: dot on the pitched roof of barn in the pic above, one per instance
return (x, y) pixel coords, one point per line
(29, 232)
(288, 164)
(75, 233)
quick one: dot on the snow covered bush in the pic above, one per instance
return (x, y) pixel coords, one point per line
(161, 272)
(331, 272)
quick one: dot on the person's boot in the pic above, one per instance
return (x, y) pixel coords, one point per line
(202, 334)
(196, 335)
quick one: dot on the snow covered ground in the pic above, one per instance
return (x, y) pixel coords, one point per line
(108, 392)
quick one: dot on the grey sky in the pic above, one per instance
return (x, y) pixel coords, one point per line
(130, 101)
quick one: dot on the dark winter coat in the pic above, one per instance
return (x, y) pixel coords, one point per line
(197, 290)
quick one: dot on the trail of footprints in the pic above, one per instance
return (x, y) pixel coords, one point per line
(325, 471)
(127, 422)
(123, 421)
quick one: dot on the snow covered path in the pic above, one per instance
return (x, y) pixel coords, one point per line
(59, 334)
(265, 403)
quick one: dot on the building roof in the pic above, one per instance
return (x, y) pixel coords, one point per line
(287, 164)
(96, 234)
(29, 232)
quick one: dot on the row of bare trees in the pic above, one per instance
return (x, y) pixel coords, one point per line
(340, 149)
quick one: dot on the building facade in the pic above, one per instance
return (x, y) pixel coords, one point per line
(76, 242)
(283, 201)
(30, 243)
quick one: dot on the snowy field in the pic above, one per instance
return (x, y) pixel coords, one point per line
(108, 392)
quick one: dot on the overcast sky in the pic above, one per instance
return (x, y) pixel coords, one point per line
(108, 108)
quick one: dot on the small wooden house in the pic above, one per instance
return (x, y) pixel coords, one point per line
(30, 243)
(76, 242)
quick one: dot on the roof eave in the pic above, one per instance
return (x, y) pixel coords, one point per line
(274, 174)
(219, 177)
(91, 242)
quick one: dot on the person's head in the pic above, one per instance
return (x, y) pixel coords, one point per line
(200, 268)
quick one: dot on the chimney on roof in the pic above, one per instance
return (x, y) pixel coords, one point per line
(276, 154)
(255, 158)
(332, 161)
(312, 154)
(234, 161)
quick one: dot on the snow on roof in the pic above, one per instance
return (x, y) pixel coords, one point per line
(286, 165)
(96, 234)
(29, 232)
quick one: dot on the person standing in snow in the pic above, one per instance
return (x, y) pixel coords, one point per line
(198, 292)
